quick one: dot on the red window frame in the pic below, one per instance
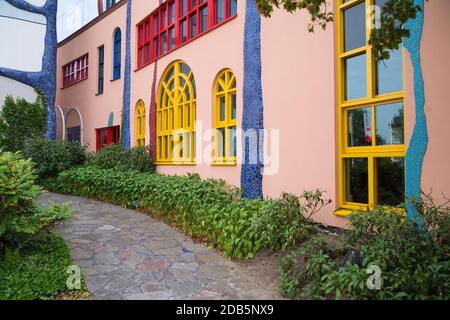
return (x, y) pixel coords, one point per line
(76, 70)
(107, 136)
(159, 34)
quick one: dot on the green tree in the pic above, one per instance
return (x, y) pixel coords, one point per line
(20, 121)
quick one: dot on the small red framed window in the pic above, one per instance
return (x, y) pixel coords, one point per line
(176, 22)
(107, 136)
(76, 70)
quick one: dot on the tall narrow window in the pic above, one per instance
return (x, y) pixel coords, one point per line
(225, 118)
(140, 124)
(110, 3)
(370, 114)
(175, 118)
(101, 69)
(117, 54)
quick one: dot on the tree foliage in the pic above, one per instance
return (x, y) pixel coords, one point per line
(388, 37)
(21, 121)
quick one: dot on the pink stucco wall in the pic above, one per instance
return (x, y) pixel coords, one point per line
(94, 108)
(299, 82)
(435, 56)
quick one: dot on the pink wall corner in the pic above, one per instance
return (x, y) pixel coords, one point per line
(435, 58)
(298, 71)
(219, 48)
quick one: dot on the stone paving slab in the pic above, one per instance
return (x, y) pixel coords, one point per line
(125, 254)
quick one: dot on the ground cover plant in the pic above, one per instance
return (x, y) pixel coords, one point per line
(33, 261)
(209, 210)
(413, 260)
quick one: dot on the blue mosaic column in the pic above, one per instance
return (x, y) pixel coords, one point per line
(252, 118)
(419, 139)
(127, 82)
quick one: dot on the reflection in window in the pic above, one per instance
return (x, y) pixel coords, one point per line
(232, 8)
(391, 181)
(357, 180)
(220, 10)
(389, 124)
(360, 127)
(389, 73)
(355, 27)
(204, 19)
(355, 74)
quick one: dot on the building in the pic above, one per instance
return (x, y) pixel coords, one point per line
(334, 119)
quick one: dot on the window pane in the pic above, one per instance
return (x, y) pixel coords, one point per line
(389, 124)
(391, 181)
(232, 140)
(233, 106)
(183, 31)
(232, 8)
(156, 47)
(164, 18)
(390, 73)
(204, 19)
(360, 127)
(220, 10)
(183, 4)
(172, 38)
(355, 27)
(193, 25)
(222, 108)
(357, 180)
(221, 142)
(355, 74)
(164, 42)
(171, 12)
(156, 23)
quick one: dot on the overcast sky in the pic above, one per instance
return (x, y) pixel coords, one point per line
(72, 14)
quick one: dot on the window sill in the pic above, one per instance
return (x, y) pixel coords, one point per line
(99, 94)
(176, 163)
(112, 80)
(230, 163)
(342, 212)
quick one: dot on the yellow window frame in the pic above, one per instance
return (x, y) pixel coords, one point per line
(372, 100)
(140, 124)
(175, 117)
(224, 87)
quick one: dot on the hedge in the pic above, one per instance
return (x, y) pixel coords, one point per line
(205, 209)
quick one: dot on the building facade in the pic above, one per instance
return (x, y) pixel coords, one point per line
(203, 70)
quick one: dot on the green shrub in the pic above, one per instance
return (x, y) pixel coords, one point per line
(20, 219)
(115, 156)
(39, 272)
(414, 260)
(209, 209)
(52, 157)
(21, 121)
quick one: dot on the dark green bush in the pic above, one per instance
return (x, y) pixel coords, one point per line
(414, 260)
(21, 121)
(20, 219)
(115, 156)
(40, 272)
(52, 157)
(207, 209)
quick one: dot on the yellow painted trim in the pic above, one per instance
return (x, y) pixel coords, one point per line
(371, 101)
(226, 82)
(175, 118)
(140, 124)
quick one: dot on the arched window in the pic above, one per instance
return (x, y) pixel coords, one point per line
(140, 124)
(117, 54)
(225, 118)
(176, 115)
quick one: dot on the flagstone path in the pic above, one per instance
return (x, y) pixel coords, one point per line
(125, 254)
